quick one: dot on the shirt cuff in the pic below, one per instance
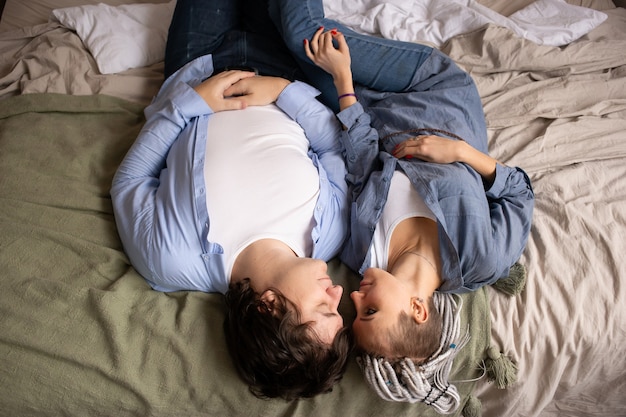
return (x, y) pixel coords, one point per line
(500, 182)
(189, 103)
(349, 116)
(290, 100)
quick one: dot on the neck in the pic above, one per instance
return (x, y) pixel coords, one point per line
(260, 262)
(410, 252)
(414, 255)
(420, 270)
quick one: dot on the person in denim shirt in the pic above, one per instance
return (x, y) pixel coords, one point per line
(236, 185)
(432, 213)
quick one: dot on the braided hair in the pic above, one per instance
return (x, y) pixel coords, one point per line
(405, 380)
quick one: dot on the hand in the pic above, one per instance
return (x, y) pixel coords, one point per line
(213, 90)
(430, 148)
(321, 50)
(446, 151)
(257, 91)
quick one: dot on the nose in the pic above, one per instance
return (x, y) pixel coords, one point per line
(335, 292)
(356, 297)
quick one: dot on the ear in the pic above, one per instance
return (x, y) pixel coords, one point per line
(419, 310)
(268, 298)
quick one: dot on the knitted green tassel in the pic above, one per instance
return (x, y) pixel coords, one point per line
(514, 283)
(500, 369)
(473, 407)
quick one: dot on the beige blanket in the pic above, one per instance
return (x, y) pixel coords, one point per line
(49, 58)
(560, 113)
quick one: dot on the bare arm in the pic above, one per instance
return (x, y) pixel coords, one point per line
(335, 61)
(445, 151)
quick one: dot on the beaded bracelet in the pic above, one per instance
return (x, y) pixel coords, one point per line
(347, 95)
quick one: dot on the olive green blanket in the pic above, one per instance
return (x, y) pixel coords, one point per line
(81, 333)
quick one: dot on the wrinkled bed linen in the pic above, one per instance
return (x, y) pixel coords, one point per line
(558, 112)
(52, 59)
(545, 22)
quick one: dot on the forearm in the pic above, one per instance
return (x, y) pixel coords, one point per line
(437, 149)
(345, 89)
(482, 163)
(165, 119)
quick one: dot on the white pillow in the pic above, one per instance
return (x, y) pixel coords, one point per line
(120, 37)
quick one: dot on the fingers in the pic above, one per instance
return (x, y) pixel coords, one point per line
(430, 148)
(341, 41)
(239, 88)
(257, 91)
(409, 148)
(308, 51)
(323, 41)
(213, 89)
(217, 84)
(234, 104)
(228, 78)
(400, 150)
(311, 47)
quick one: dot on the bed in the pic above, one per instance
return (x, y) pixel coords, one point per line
(82, 334)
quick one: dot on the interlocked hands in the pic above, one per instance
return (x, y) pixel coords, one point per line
(235, 90)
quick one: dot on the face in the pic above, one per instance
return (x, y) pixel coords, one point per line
(307, 284)
(378, 303)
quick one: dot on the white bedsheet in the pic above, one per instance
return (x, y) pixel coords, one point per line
(545, 22)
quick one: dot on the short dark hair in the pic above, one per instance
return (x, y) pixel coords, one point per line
(276, 354)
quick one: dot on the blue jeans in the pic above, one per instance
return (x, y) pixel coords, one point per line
(235, 32)
(379, 64)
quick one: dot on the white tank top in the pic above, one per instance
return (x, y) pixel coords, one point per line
(260, 181)
(402, 202)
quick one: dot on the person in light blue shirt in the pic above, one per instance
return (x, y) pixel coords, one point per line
(236, 185)
(432, 213)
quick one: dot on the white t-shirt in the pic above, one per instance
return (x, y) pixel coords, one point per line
(257, 157)
(402, 202)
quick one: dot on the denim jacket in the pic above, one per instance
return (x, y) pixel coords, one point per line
(482, 232)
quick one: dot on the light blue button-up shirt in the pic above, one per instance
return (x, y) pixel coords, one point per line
(482, 232)
(158, 191)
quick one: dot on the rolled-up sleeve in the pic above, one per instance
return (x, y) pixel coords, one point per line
(154, 192)
(511, 204)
